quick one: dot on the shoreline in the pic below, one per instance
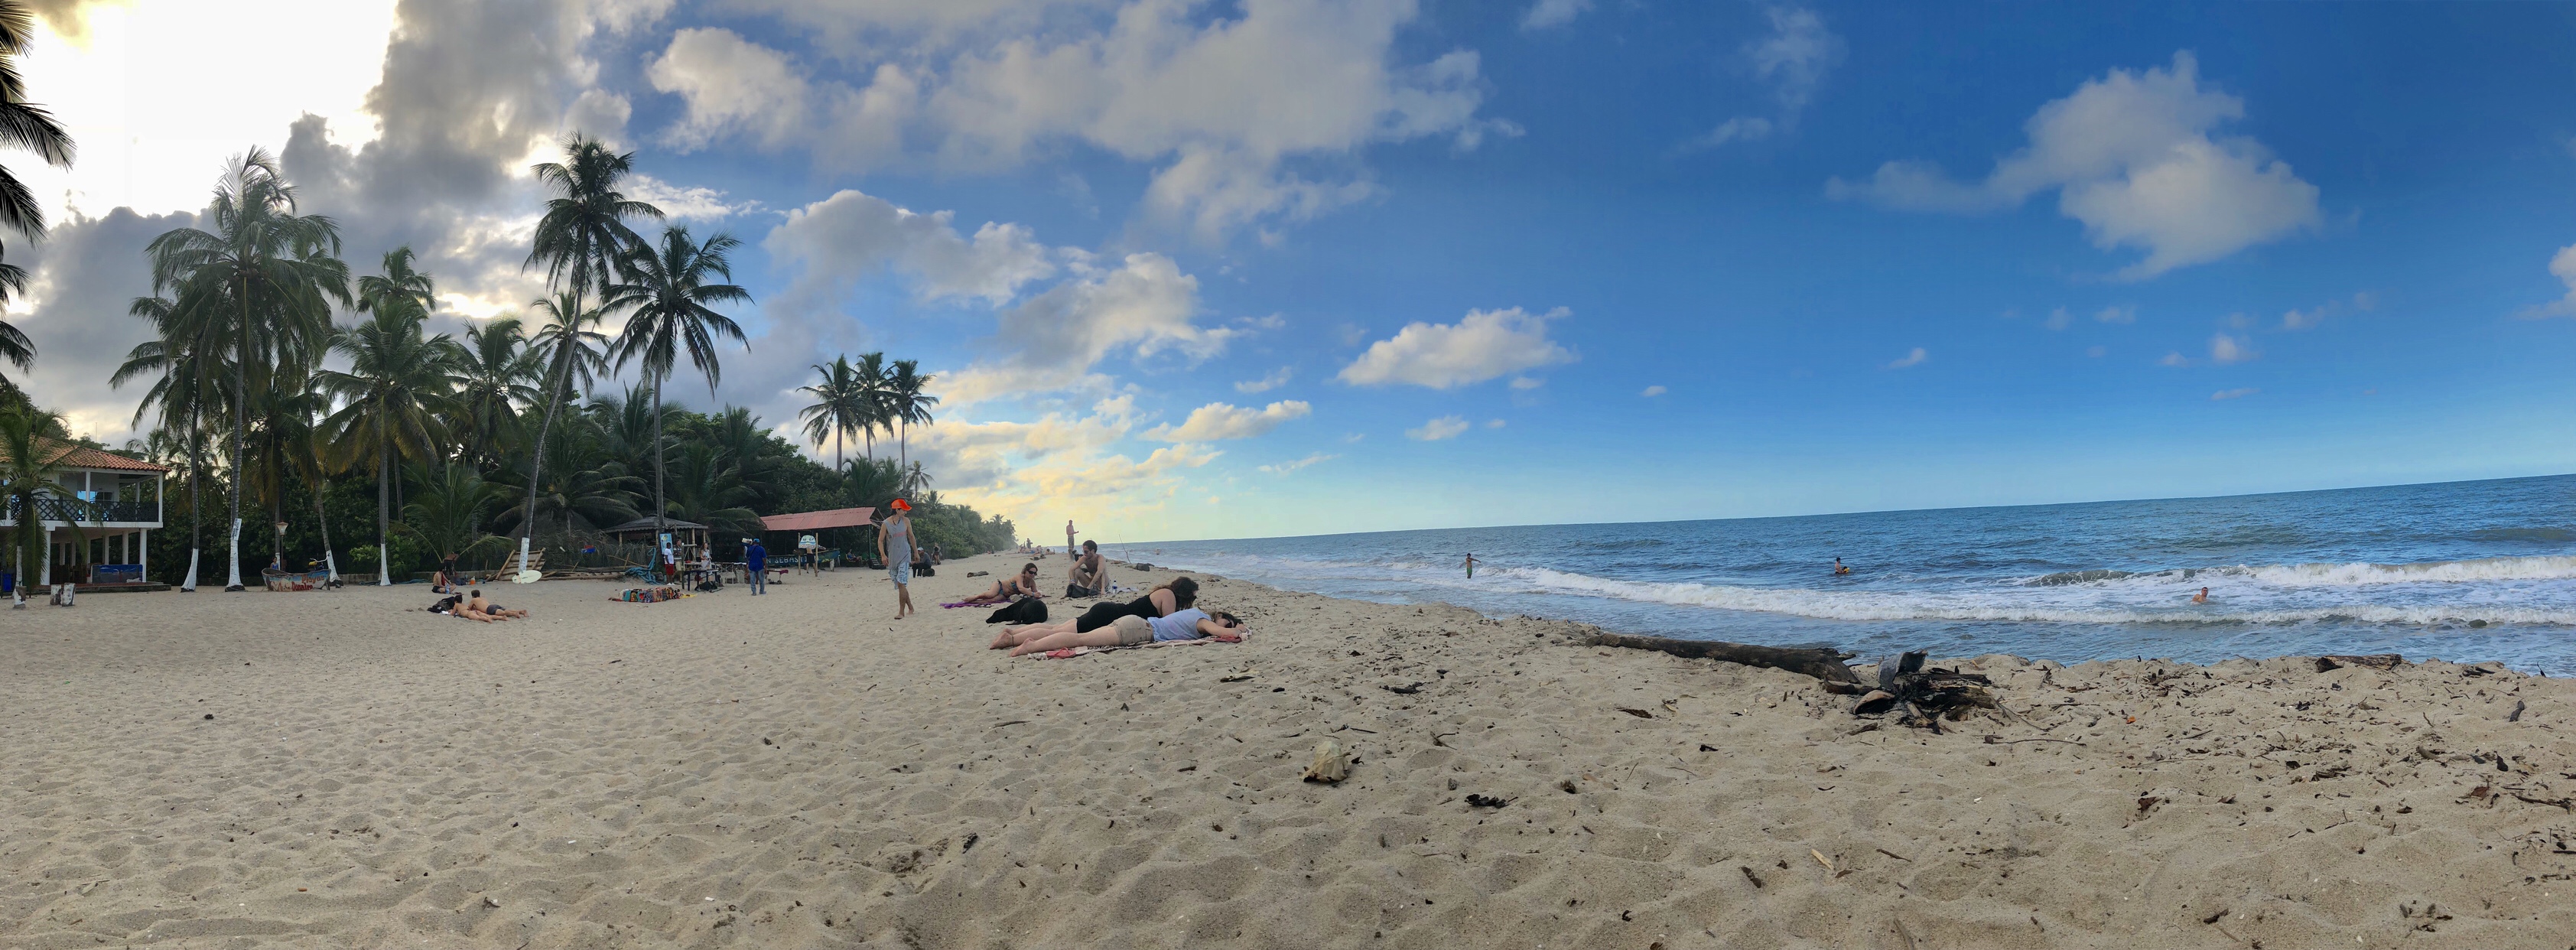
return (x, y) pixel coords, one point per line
(789, 771)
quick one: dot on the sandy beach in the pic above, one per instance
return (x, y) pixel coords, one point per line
(798, 770)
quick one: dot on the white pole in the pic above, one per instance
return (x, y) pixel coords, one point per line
(45, 571)
(143, 541)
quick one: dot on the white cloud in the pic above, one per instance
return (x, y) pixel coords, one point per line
(1276, 379)
(1218, 420)
(1552, 13)
(1494, 423)
(2059, 319)
(2224, 349)
(2132, 157)
(1284, 468)
(1203, 101)
(2562, 266)
(2174, 359)
(2097, 352)
(1056, 467)
(844, 238)
(2227, 394)
(1795, 57)
(1483, 345)
(1526, 383)
(2117, 315)
(1653, 391)
(691, 203)
(1141, 308)
(1445, 427)
(1742, 128)
(1916, 358)
(2296, 319)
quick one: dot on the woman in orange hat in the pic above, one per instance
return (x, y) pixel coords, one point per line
(895, 545)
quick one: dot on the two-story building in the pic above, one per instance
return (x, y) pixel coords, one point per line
(107, 501)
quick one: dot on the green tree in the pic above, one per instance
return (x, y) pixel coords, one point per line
(582, 240)
(262, 281)
(447, 513)
(905, 401)
(497, 376)
(27, 126)
(840, 406)
(30, 461)
(670, 294)
(397, 386)
(875, 415)
(187, 371)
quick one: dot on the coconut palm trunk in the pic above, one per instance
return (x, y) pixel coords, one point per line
(241, 406)
(557, 381)
(661, 507)
(384, 510)
(196, 491)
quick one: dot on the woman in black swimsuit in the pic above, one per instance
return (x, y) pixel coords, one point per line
(1163, 601)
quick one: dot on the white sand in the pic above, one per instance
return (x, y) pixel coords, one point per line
(800, 771)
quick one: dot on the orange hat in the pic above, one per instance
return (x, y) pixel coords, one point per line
(899, 505)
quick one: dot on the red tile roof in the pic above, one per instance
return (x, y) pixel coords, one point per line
(811, 520)
(81, 456)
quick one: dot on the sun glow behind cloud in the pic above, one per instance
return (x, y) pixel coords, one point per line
(147, 95)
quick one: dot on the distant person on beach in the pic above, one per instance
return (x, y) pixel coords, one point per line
(756, 559)
(1068, 537)
(894, 545)
(1471, 566)
(1131, 630)
(2202, 597)
(1088, 572)
(1163, 601)
(1839, 569)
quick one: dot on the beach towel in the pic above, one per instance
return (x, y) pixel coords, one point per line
(1072, 652)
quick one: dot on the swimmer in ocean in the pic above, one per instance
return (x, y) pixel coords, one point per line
(1471, 567)
(2202, 597)
(1839, 569)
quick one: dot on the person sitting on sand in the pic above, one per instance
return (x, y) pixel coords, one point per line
(1163, 601)
(1131, 630)
(2202, 597)
(477, 605)
(1089, 572)
(1023, 584)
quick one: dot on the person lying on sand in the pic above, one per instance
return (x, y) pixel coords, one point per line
(478, 605)
(1023, 584)
(1131, 630)
(1163, 601)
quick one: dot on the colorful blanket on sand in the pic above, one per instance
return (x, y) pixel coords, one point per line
(1072, 652)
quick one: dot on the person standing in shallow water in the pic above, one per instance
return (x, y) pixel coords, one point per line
(1839, 569)
(895, 545)
(1471, 566)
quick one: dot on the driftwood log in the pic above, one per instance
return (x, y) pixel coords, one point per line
(1923, 696)
(2376, 661)
(1820, 662)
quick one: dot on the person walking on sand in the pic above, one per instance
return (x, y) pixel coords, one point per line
(894, 544)
(1471, 565)
(756, 559)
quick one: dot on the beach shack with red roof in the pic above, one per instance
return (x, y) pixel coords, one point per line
(106, 501)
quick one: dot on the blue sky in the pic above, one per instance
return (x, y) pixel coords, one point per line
(1287, 267)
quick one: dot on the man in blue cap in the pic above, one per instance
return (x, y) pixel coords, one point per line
(756, 558)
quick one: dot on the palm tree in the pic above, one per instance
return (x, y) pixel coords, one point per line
(262, 281)
(582, 240)
(447, 514)
(670, 294)
(180, 392)
(400, 287)
(873, 414)
(906, 401)
(914, 480)
(569, 344)
(600, 495)
(30, 461)
(397, 386)
(28, 126)
(841, 406)
(497, 370)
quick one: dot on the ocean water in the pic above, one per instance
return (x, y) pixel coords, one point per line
(2463, 571)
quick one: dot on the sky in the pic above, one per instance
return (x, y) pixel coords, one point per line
(1248, 268)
